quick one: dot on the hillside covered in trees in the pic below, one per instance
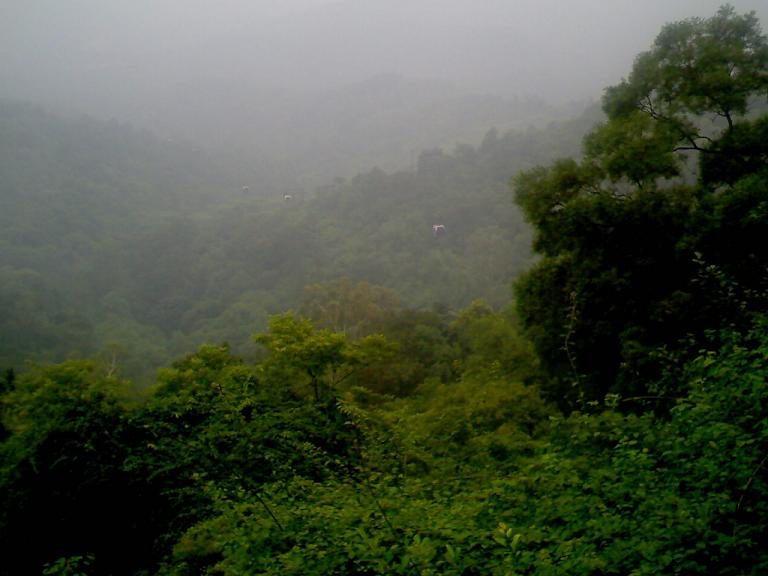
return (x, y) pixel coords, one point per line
(404, 417)
(136, 249)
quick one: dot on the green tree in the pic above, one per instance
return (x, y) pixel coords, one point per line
(64, 488)
(351, 309)
(696, 67)
(324, 358)
(628, 237)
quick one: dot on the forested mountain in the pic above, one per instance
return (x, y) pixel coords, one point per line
(119, 244)
(275, 89)
(384, 120)
(613, 420)
(71, 193)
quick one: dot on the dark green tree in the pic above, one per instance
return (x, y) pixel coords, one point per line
(64, 490)
(640, 247)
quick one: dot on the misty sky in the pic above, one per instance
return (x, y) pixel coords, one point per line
(143, 60)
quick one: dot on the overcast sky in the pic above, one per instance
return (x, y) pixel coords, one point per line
(123, 58)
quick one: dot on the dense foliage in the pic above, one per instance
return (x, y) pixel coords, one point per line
(231, 468)
(654, 237)
(614, 421)
(118, 245)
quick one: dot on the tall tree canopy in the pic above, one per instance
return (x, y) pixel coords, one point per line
(642, 245)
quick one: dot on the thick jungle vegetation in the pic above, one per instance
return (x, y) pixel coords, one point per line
(613, 420)
(136, 250)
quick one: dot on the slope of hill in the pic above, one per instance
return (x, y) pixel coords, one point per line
(145, 250)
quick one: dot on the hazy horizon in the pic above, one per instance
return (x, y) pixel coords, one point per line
(282, 83)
